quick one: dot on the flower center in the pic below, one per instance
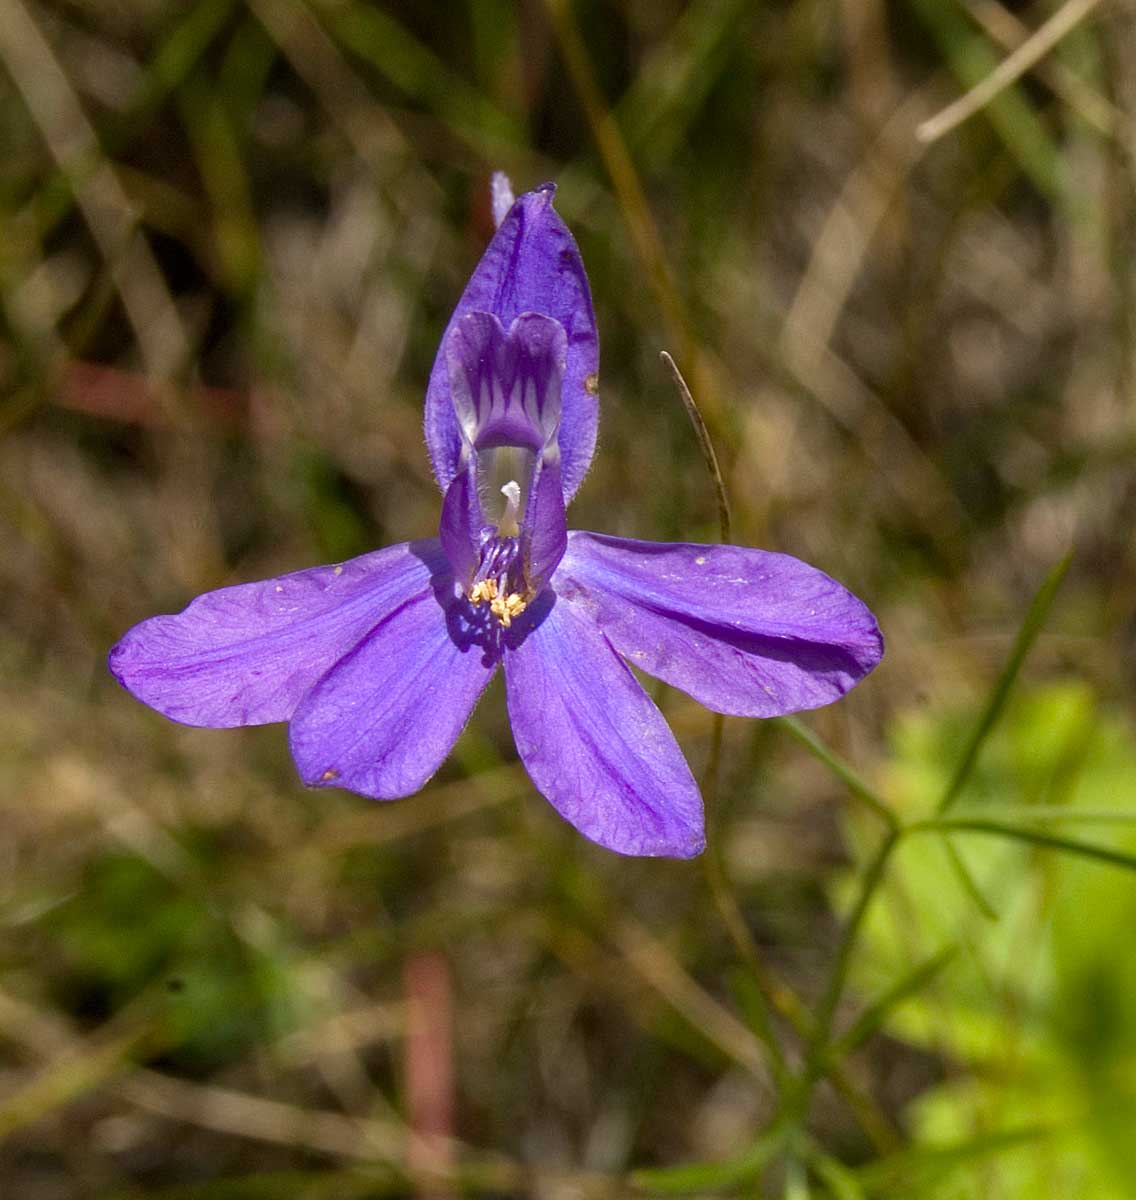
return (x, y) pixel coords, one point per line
(503, 606)
(499, 581)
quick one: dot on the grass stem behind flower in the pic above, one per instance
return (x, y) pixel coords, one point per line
(770, 990)
(630, 194)
(709, 455)
(1008, 71)
(724, 898)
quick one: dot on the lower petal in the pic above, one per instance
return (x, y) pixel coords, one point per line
(594, 743)
(245, 655)
(381, 721)
(745, 632)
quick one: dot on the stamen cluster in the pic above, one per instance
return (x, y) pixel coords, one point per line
(499, 579)
(504, 606)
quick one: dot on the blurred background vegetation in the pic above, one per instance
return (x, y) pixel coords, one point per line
(231, 232)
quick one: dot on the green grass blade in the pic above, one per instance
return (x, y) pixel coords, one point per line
(1035, 618)
(876, 1013)
(841, 1183)
(969, 883)
(658, 108)
(1044, 813)
(181, 50)
(924, 1164)
(1036, 837)
(711, 1176)
(863, 791)
(377, 38)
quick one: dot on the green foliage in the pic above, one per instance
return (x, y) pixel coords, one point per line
(132, 930)
(1035, 1015)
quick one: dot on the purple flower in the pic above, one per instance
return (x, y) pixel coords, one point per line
(377, 663)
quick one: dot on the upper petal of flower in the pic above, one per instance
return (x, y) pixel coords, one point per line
(593, 741)
(745, 632)
(506, 386)
(245, 655)
(506, 389)
(532, 265)
(381, 721)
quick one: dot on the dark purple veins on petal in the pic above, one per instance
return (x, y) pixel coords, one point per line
(593, 741)
(532, 265)
(745, 632)
(246, 655)
(381, 721)
(506, 386)
(503, 522)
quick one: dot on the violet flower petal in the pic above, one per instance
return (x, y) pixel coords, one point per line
(593, 741)
(461, 524)
(532, 265)
(745, 632)
(245, 655)
(544, 535)
(506, 386)
(381, 721)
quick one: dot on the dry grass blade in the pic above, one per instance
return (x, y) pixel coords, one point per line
(345, 97)
(241, 1115)
(1006, 28)
(659, 967)
(81, 1070)
(705, 444)
(323, 1132)
(632, 199)
(1012, 68)
(850, 226)
(74, 145)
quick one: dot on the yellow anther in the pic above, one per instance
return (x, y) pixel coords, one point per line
(503, 607)
(485, 590)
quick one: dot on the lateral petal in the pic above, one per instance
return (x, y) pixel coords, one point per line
(745, 632)
(461, 524)
(381, 721)
(592, 740)
(532, 265)
(544, 534)
(245, 655)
